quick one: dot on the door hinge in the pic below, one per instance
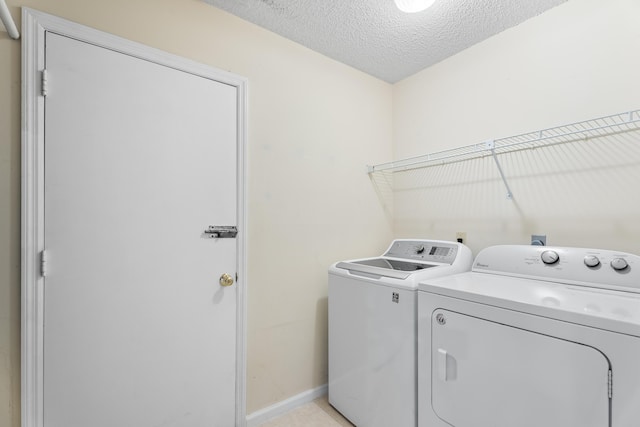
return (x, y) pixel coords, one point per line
(43, 263)
(610, 384)
(44, 83)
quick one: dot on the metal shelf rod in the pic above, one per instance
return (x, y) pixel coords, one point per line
(491, 146)
(7, 20)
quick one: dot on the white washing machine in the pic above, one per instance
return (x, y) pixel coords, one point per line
(372, 329)
(531, 337)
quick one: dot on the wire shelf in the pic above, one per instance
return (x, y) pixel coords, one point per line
(600, 127)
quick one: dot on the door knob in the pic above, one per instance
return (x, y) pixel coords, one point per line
(226, 280)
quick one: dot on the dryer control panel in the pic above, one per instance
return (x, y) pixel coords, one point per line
(423, 250)
(581, 266)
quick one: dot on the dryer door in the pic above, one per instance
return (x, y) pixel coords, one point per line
(489, 374)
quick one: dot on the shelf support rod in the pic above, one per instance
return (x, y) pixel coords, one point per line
(492, 147)
(7, 20)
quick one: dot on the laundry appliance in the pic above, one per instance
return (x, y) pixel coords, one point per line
(532, 336)
(373, 326)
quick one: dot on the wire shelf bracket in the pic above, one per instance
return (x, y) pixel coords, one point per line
(580, 131)
(8, 22)
(492, 146)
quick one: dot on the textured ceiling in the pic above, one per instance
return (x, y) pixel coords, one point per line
(375, 37)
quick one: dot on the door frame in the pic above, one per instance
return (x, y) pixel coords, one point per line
(34, 26)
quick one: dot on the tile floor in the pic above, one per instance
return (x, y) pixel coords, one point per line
(314, 414)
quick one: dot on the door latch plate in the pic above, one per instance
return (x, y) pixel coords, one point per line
(222, 231)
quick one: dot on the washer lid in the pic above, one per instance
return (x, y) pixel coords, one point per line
(384, 267)
(612, 310)
(407, 262)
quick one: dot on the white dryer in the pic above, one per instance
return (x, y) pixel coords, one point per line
(373, 327)
(532, 336)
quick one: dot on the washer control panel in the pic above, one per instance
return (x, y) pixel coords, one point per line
(424, 250)
(594, 267)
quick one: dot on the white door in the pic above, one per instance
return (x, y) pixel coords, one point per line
(139, 159)
(488, 374)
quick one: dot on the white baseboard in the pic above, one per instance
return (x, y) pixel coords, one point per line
(263, 415)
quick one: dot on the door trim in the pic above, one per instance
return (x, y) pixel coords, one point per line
(34, 26)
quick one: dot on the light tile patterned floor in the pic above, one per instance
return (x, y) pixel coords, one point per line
(314, 414)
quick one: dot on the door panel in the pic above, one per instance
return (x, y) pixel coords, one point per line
(488, 374)
(372, 346)
(139, 160)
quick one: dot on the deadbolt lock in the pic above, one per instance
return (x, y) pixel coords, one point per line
(226, 280)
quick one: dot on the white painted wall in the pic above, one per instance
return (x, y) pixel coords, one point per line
(575, 62)
(313, 126)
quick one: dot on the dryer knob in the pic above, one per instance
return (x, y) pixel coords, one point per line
(550, 257)
(591, 261)
(619, 264)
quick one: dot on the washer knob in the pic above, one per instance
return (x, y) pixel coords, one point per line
(619, 264)
(591, 261)
(420, 249)
(550, 257)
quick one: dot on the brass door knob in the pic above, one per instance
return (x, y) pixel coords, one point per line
(226, 280)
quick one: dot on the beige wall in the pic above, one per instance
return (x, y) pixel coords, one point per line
(313, 126)
(575, 62)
